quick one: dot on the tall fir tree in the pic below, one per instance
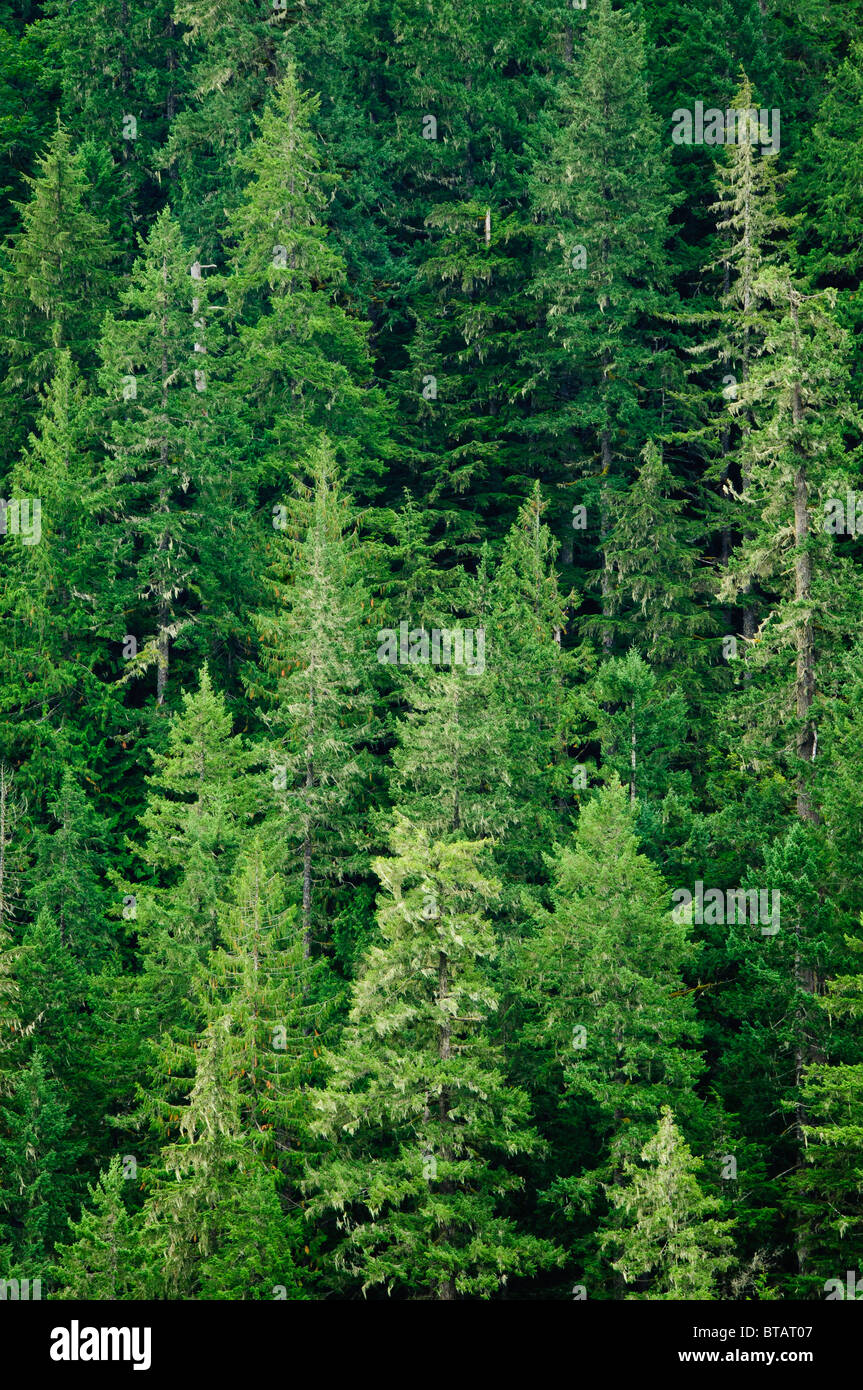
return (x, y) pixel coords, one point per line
(601, 365)
(825, 1192)
(154, 372)
(101, 1257)
(49, 603)
(610, 1020)
(122, 73)
(666, 1227)
(55, 282)
(300, 360)
(224, 1219)
(316, 656)
(39, 1156)
(656, 593)
(235, 60)
(417, 1113)
(201, 798)
(459, 222)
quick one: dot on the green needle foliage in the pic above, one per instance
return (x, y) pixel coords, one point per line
(55, 282)
(416, 1110)
(431, 536)
(669, 1235)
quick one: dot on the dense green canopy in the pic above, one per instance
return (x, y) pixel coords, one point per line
(430, 659)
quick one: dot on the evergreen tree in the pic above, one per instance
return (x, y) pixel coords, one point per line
(793, 403)
(642, 728)
(68, 875)
(750, 227)
(652, 557)
(201, 797)
(451, 753)
(244, 1133)
(216, 1223)
(51, 572)
(300, 360)
(666, 1226)
(533, 675)
(838, 786)
(53, 993)
(829, 171)
(38, 1157)
(68, 949)
(611, 1019)
(26, 98)
(333, 44)
(154, 373)
(481, 749)
(601, 364)
(55, 281)
(102, 1259)
(461, 94)
(417, 1112)
(11, 810)
(217, 1188)
(767, 1012)
(317, 654)
(825, 1195)
(122, 73)
(235, 63)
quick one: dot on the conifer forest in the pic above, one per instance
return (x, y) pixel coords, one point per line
(431, 650)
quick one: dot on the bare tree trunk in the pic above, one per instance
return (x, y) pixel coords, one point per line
(163, 651)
